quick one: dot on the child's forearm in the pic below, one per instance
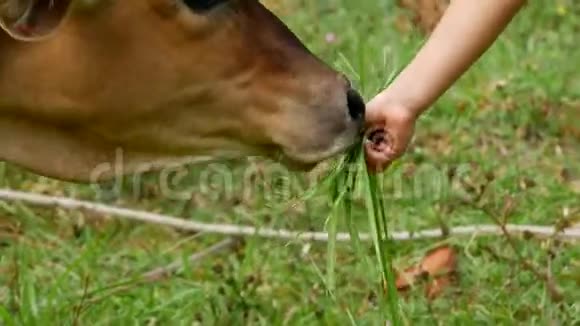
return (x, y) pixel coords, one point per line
(465, 32)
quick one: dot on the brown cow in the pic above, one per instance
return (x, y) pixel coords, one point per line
(160, 81)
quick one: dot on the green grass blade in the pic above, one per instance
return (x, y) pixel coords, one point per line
(332, 231)
(5, 317)
(377, 221)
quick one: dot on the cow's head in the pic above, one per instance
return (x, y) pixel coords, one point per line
(163, 79)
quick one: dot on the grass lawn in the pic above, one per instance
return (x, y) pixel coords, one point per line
(503, 143)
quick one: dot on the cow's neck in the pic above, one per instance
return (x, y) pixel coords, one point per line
(68, 154)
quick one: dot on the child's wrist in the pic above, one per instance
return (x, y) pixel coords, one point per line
(406, 106)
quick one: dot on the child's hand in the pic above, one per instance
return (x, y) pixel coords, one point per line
(390, 127)
(465, 32)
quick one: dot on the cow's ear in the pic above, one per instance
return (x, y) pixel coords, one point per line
(32, 20)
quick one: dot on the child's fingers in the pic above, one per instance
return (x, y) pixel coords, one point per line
(379, 150)
(377, 162)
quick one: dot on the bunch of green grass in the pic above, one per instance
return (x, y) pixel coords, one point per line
(344, 177)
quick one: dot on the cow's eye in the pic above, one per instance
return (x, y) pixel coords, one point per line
(202, 5)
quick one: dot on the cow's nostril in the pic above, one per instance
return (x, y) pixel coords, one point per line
(356, 104)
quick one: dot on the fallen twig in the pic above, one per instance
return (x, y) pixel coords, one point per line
(166, 271)
(241, 230)
(553, 289)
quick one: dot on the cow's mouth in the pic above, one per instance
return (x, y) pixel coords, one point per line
(306, 160)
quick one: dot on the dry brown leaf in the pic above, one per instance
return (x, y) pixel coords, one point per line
(426, 13)
(437, 286)
(439, 261)
(438, 266)
(408, 277)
